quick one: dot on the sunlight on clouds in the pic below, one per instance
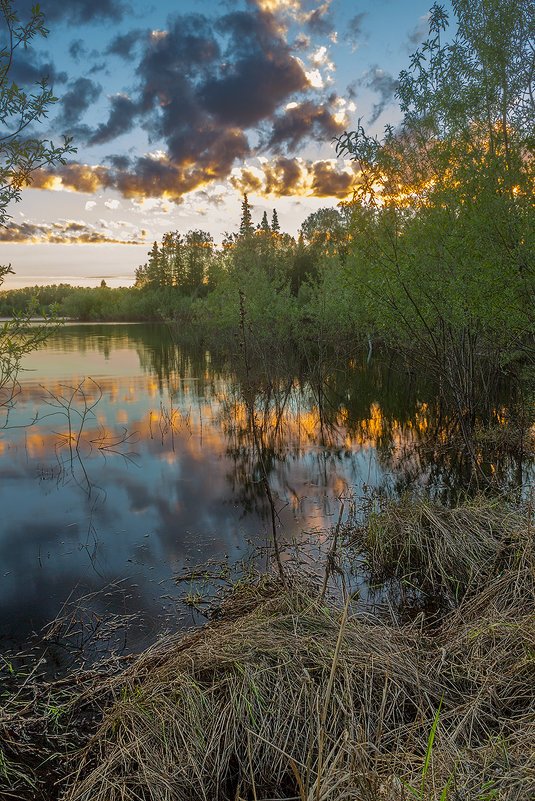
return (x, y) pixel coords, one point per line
(315, 79)
(319, 56)
(284, 177)
(279, 6)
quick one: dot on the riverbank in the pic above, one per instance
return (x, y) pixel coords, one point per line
(286, 694)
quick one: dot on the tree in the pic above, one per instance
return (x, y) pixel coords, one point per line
(264, 225)
(443, 215)
(275, 227)
(246, 224)
(199, 248)
(22, 154)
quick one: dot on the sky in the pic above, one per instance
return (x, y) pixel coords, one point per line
(177, 107)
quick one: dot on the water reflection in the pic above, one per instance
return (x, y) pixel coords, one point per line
(142, 461)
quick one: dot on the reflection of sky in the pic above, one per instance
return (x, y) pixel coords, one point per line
(159, 481)
(173, 492)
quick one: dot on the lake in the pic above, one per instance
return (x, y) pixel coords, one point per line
(128, 459)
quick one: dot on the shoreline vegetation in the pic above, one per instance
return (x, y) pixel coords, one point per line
(290, 693)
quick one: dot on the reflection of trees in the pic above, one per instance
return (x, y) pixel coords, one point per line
(311, 400)
(380, 405)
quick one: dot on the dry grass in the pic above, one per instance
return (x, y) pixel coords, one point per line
(439, 551)
(287, 696)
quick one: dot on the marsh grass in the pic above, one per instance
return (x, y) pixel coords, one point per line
(418, 548)
(290, 695)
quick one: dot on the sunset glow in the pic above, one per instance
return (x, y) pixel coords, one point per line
(176, 113)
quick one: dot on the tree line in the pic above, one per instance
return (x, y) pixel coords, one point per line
(187, 277)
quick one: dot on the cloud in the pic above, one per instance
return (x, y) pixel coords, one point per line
(77, 49)
(296, 177)
(28, 68)
(77, 177)
(316, 19)
(353, 31)
(120, 120)
(418, 33)
(305, 121)
(319, 21)
(75, 102)
(329, 181)
(292, 7)
(202, 84)
(77, 12)
(205, 90)
(123, 45)
(64, 232)
(261, 75)
(157, 177)
(384, 85)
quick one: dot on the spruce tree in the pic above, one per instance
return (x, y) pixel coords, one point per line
(275, 227)
(246, 225)
(264, 225)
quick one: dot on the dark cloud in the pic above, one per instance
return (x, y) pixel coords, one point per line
(27, 69)
(124, 45)
(120, 120)
(201, 84)
(330, 182)
(304, 121)
(253, 90)
(385, 85)
(283, 177)
(77, 49)
(77, 12)
(149, 177)
(98, 68)
(78, 177)
(199, 87)
(119, 162)
(75, 102)
(319, 21)
(353, 31)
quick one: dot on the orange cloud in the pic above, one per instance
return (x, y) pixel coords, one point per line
(67, 232)
(156, 176)
(294, 177)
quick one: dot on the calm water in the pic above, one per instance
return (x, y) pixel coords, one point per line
(139, 463)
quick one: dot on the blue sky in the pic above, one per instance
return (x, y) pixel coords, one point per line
(177, 108)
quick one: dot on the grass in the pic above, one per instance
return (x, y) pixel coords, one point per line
(289, 695)
(427, 550)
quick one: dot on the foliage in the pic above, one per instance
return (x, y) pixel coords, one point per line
(21, 154)
(443, 215)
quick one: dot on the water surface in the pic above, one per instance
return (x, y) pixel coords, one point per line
(128, 456)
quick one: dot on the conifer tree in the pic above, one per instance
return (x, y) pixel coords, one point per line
(264, 225)
(246, 224)
(275, 227)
